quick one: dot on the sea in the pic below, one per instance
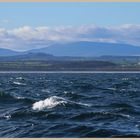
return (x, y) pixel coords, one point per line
(69, 104)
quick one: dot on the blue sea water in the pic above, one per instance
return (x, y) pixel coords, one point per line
(69, 105)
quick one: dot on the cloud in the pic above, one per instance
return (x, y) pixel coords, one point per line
(26, 38)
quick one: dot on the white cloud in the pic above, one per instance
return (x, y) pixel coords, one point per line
(25, 38)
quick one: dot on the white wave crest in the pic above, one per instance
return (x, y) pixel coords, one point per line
(83, 104)
(53, 101)
(19, 78)
(18, 83)
(18, 97)
(7, 117)
(49, 103)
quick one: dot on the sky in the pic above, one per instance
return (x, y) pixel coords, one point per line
(69, 13)
(25, 26)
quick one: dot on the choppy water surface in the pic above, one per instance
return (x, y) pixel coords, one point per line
(69, 105)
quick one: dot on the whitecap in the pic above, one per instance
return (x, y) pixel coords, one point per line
(111, 88)
(83, 104)
(125, 79)
(126, 115)
(53, 101)
(49, 103)
(46, 90)
(122, 89)
(18, 83)
(65, 92)
(19, 97)
(19, 78)
(7, 117)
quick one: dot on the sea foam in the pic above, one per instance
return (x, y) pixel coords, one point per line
(50, 102)
(53, 101)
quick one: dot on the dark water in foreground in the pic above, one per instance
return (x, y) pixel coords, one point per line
(69, 105)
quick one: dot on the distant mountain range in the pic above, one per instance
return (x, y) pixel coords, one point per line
(90, 49)
(8, 52)
(77, 49)
(38, 56)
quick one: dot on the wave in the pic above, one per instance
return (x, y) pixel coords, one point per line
(25, 99)
(3, 95)
(8, 97)
(102, 132)
(49, 103)
(19, 83)
(7, 117)
(26, 112)
(87, 116)
(19, 78)
(121, 105)
(54, 101)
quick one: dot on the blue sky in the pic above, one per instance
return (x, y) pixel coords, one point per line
(13, 15)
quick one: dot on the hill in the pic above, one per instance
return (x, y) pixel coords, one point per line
(89, 49)
(8, 52)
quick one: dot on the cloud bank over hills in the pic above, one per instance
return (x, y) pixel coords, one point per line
(27, 38)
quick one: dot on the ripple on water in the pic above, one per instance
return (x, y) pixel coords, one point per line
(69, 105)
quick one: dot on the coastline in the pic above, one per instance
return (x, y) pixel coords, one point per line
(68, 72)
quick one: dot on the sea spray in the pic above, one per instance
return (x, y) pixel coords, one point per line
(53, 101)
(49, 103)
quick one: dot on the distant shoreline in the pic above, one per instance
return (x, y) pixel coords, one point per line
(84, 66)
(2, 72)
